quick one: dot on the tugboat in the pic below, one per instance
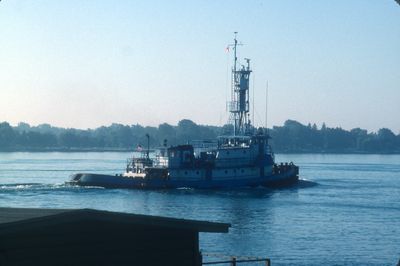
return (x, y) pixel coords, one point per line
(240, 159)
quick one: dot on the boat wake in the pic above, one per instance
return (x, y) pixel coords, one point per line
(20, 186)
(39, 187)
(304, 183)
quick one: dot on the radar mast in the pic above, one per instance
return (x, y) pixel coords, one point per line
(239, 104)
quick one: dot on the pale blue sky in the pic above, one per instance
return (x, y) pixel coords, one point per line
(90, 63)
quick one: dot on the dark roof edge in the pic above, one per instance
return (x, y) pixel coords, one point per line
(48, 215)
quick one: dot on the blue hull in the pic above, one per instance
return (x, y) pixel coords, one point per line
(286, 178)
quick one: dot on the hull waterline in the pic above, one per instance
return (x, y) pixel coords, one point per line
(287, 178)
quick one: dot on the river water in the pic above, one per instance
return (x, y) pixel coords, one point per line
(345, 210)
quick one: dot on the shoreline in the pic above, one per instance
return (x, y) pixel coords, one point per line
(152, 150)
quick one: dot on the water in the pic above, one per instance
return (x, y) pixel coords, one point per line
(345, 211)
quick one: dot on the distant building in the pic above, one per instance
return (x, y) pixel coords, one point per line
(92, 237)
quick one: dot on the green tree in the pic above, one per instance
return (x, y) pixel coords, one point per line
(7, 136)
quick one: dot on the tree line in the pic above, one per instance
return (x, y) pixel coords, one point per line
(292, 137)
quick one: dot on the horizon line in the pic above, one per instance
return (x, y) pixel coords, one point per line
(156, 126)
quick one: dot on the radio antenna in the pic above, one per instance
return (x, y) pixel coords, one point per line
(252, 118)
(266, 109)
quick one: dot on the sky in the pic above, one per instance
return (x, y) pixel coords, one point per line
(85, 64)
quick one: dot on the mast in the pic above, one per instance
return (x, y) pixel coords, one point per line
(148, 146)
(239, 106)
(266, 109)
